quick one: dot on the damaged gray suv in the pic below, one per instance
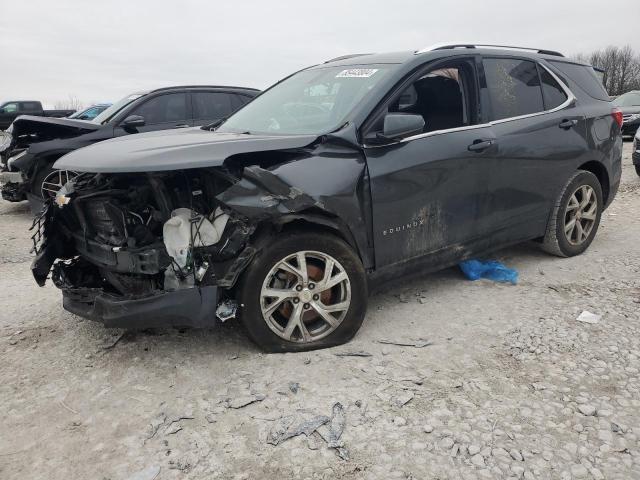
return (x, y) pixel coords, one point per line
(336, 179)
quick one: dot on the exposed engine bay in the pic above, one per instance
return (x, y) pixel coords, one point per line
(135, 236)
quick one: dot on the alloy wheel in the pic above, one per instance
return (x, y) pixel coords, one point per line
(305, 296)
(55, 181)
(580, 215)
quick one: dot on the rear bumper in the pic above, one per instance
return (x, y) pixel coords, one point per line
(190, 307)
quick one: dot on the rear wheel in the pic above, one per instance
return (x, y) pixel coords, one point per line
(575, 217)
(303, 292)
(637, 170)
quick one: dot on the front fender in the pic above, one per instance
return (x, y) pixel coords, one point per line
(328, 187)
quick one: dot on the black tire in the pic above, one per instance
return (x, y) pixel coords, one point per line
(39, 177)
(288, 243)
(637, 170)
(556, 240)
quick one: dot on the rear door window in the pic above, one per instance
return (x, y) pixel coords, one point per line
(30, 107)
(514, 87)
(212, 105)
(169, 108)
(553, 94)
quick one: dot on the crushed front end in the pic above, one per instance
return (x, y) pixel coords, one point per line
(142, 250)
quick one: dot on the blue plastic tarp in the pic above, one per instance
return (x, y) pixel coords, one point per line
(489, 269)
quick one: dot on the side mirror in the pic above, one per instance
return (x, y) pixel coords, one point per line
(2, 110)
(398, 125)
(133, 121)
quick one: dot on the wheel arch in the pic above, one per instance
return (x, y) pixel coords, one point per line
(311, 222)
(601, 173)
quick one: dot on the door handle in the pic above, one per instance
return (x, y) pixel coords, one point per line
(567, 124)
(182, 125)
(480, 145)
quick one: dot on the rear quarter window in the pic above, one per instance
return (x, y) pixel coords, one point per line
(584, 77)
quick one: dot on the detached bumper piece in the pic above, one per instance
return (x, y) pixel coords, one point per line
(191, 307)
(13, 192)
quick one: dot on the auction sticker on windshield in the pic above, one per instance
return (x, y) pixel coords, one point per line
(357, 73)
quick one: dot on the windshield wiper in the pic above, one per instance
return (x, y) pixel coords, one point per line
(215, 124)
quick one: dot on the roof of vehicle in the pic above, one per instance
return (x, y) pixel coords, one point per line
(444, 51)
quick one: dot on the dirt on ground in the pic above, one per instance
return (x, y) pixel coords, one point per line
(492, 380)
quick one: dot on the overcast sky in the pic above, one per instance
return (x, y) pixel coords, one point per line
(103, 50)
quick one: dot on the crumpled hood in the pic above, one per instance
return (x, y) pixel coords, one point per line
(66, 127)
(173, 150)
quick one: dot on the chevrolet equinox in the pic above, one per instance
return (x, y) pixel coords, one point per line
(339, 177)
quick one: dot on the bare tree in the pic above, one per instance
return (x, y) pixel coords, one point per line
(71, 103)
(621, 66)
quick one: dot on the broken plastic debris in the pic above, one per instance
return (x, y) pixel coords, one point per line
(240, 402)
(489, 269)
(226, 310)
(418, 343)
(336, 426)
(588, 317)
(402, 399)
(285, 428)
(360, 353)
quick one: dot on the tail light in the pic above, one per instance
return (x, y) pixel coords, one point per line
(616, 113)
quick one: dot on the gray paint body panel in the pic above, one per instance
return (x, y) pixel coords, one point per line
(173, 150)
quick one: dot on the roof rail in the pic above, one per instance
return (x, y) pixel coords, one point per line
(346, 57)
(432, 48)
(201, 86)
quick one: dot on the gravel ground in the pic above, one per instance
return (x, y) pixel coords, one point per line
(501, 382)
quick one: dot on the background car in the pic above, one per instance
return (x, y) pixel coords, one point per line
(629, 104)
(90, 113)
(636, 152)
(37, 142)
(12, 109)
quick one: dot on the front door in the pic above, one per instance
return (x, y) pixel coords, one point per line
(162, 112)
(429, 190)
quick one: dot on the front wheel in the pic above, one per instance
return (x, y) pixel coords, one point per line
(304, 291)
(575, 216)
(637, 169)
(48, 181)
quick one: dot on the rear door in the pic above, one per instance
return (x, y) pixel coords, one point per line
(540, 132)
(210, 106)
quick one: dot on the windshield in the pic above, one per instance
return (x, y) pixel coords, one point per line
(105, 116)
(313, 101)
(629, 99)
